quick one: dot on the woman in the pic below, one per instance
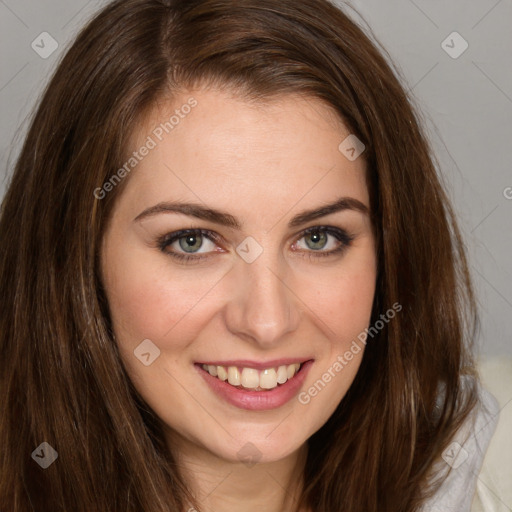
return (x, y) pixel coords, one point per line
(231, 278)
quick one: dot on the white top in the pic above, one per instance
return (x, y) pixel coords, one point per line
(464, 457)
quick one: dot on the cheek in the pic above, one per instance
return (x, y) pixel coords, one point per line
(344, 302)
(349, 300)
(346, 311)
(148, 300)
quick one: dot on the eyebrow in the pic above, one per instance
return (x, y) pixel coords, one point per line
(225, 219)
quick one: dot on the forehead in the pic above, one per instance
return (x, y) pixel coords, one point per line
(216, 147)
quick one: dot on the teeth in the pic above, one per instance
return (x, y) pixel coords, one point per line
(282, 375)
(250, 378)
(222, 374)
(292, 369)
(233, 376)
(268, 379)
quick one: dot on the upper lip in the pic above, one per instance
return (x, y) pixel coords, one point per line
(258, 365)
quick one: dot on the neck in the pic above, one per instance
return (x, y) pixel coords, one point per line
(227, 486)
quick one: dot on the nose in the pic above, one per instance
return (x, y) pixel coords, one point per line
(264, 307)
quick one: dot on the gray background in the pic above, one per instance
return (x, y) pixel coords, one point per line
(466, 104)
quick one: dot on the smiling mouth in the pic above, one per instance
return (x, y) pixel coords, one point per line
(251, 379)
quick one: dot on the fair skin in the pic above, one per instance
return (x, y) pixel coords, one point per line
(263, 163)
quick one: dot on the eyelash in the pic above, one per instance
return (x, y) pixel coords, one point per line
(166, 240)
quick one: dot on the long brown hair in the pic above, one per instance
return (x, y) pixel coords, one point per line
(61, 377)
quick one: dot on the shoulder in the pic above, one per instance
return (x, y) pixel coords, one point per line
(493, 489)
(463, 457)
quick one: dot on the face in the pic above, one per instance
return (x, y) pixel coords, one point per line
(236, 291)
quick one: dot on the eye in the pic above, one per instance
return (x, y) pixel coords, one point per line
(319, 238)
(186, 244)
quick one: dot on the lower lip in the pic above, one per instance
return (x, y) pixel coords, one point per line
(257, 400)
